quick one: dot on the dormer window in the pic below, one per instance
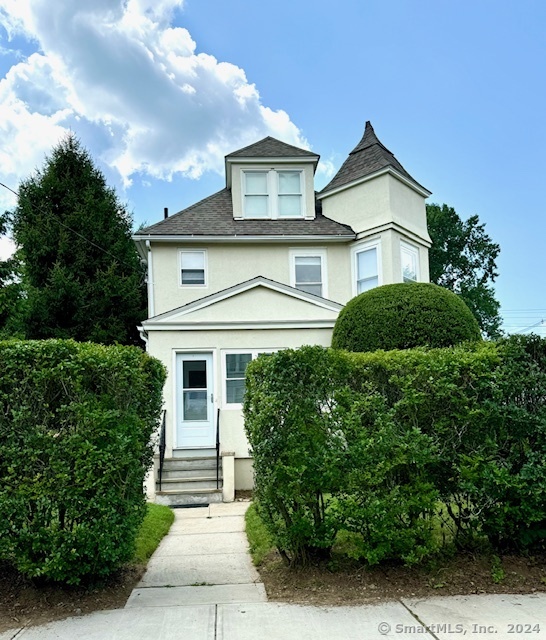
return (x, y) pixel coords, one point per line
(273, 194)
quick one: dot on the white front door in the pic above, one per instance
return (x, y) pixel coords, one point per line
(195, 400)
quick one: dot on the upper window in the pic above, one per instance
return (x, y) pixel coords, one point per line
(308, 270)
(272, 194)
(192, 268)
(367, 268)
(410, 262)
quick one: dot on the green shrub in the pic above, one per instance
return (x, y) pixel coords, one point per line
(387, 444)
(76, 422)
(402, 316)
(298, 450)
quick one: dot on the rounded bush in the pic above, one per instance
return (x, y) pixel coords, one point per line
(403, 316)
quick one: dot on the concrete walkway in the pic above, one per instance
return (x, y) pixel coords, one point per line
(201, 585)
(203, 560)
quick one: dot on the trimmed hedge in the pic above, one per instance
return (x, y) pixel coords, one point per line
(390, 445)
(76, 422)
(403, 316)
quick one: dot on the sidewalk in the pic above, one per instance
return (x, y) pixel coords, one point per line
(201, 585)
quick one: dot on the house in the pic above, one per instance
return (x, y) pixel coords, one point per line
(264, 264)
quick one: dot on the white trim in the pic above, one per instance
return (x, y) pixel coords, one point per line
(414, 251)
(217, 326)
(359, 248)
(319, 252)
(150, 280)
(394, 226)
(241, 239)
(272, 159)
(409, 183)
(225, 405)
(205, 268)
(259, 281)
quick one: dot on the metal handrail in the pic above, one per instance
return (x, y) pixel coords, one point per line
(162, 447)
(218, 449)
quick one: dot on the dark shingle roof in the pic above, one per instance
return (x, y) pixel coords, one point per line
(213, 216)
(369, 156)
(271, 148)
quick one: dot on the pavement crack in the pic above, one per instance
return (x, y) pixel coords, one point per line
(421, 623)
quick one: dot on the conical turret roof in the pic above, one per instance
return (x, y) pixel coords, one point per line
(368, 157)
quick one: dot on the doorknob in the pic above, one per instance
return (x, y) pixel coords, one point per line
(211, 397)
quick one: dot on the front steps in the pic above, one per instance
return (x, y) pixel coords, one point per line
(189, 481)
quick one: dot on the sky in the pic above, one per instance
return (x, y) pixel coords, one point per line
(159, 91)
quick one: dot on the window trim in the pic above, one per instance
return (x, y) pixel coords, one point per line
(412, 249)
(205, 284)
(310, 253)
(225, 352)
(273, 193)
(359, 248)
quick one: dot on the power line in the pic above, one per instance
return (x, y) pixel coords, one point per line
(65, 226)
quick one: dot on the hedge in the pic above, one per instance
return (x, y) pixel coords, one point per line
(387, 444)
(403, 316)
(76, 423)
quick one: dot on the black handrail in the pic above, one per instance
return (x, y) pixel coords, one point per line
(162, 447)
(218, 449)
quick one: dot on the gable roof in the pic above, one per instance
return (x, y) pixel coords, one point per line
(368, 157)
(290, 307)
(271, 148)
(213, 217)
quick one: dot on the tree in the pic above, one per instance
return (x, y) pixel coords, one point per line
(82, 276)
(463, 259)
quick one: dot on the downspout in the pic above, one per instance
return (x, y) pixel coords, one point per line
(151, 306)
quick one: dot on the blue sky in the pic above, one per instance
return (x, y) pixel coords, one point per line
(160, 90)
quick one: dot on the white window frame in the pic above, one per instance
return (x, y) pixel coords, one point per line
(225, 352)
(205, 269)
(414, 251)
(273, 193)
(359, 248)
(310, 253)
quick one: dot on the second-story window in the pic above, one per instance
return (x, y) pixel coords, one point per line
(308, 270)
(367, 268)
(193, 268)
(410, 262)
(273, 194)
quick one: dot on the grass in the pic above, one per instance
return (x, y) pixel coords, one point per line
(156, 524)
(259, 539)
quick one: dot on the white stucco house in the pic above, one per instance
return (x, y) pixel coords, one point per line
(264, 264)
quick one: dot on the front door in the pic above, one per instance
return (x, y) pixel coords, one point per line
(195, 400)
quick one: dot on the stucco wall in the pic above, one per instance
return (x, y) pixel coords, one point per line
(231, 264)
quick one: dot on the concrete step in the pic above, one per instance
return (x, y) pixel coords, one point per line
(200, 482)
(181, 498)
(183, 464)
(196, 472)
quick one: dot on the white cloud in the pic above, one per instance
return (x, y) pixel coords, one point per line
(7, 247)
(122, 67)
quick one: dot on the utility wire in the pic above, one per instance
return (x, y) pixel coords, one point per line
(116, 258)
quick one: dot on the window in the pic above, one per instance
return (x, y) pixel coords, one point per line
(272, 194)
(235, 373)
(410, 261)
(308, 270)
(192, 268)
(367, 268)
(256, 194)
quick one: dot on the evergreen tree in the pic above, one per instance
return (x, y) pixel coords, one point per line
(82, 276)
(463, 259)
